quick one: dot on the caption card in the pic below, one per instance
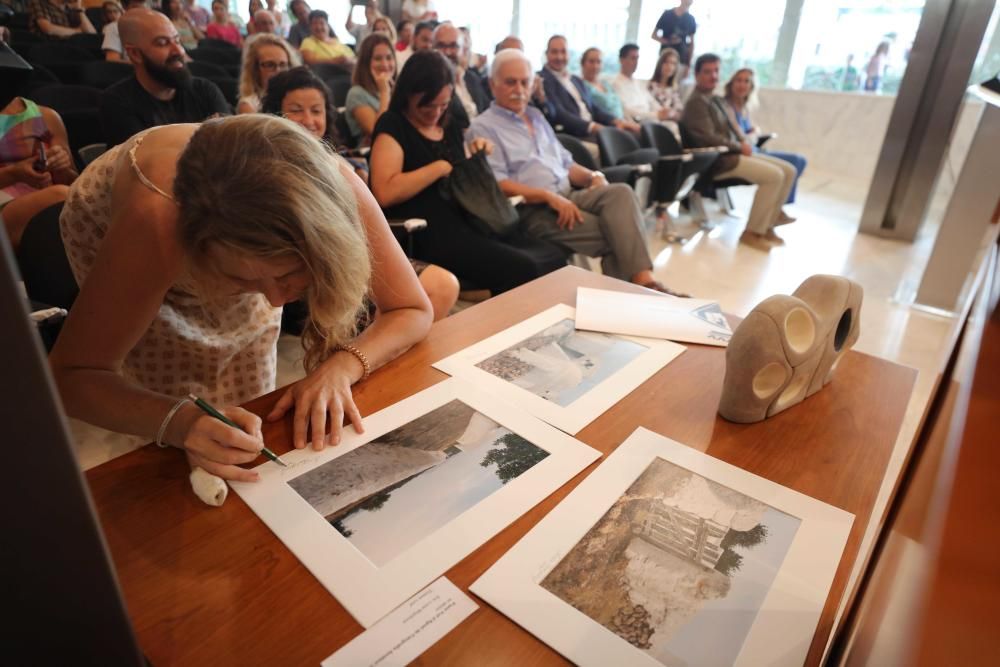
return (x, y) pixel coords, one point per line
(409, 630)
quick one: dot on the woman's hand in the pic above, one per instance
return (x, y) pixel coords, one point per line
(383, 81)
(220, 448)
(442, 166)
(325, 391)
(60, 164)
(25, 173)
(480, 144)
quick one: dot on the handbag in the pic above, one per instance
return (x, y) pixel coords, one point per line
(473, 186)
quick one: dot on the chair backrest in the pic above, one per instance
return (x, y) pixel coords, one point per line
(42, 259)
(40, 76)
(343, 130)
(212, 43)
(339, 87)
(327, 71)
(229, 87)
(89, 42)
(91, 152)
(96, 16)
(660, 137)
(615, 144)
(579, 152)
(50, 52)
(83, 127)
(216, 56)
(687, 139)
(207, 69)
(102, 73)
(63, 98)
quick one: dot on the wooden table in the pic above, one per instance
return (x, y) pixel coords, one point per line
(216, 587)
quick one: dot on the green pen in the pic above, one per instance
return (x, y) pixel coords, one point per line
(204, 405)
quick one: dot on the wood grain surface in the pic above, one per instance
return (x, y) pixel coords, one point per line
(215, 586)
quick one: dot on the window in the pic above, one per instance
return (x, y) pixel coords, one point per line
(488, 22)
(584, 23)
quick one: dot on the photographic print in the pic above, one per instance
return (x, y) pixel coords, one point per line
(387, 495)
(431, 479)
(678, 567)
(556, 372)
(560, 364)
(666, 556)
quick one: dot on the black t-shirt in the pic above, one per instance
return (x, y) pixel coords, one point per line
(680, 30)
(127, 109)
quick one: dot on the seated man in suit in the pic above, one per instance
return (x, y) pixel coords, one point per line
(597, 219)
(470, 99)
(162, 92)
(707, 119)
(569, 103)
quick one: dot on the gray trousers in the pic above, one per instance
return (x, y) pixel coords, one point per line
(611, 229)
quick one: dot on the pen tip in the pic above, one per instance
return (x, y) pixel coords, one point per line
(281, 463)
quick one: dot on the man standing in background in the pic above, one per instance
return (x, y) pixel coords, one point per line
(675, 30)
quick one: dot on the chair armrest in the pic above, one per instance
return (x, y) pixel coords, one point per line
(516, 200)
(641, 156)
(684, 157)
(764, 138)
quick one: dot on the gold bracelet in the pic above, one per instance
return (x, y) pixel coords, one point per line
(360, 356)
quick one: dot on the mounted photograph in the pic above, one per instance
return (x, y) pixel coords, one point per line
(563, 375)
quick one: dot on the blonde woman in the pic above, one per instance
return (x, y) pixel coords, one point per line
(264, 56)
(187, 240)
(665, 84)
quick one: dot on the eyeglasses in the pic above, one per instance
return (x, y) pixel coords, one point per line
(271, 65)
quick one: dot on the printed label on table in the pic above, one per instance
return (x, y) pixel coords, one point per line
(409, 630)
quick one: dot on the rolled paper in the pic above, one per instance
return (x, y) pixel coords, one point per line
(211, 489)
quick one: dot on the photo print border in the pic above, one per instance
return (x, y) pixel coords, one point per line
(786, 621)
(369, 592)
(585, 409)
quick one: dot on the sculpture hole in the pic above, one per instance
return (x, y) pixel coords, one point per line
(799, 330)
(843, 329)
(769, 379)
(792, 391)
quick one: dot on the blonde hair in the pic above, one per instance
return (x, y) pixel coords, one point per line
(262, 186)
(250, 83)
(750, 102)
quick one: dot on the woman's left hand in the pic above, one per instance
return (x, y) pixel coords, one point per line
(326, 392)
(480, 144)
(58, 160)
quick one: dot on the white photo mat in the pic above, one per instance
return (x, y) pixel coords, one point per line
(584, 409)
(369, 592)
(784, 624)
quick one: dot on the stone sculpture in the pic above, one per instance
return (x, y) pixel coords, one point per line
(788, 347)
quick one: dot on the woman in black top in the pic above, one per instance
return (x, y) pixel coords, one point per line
(414, 146)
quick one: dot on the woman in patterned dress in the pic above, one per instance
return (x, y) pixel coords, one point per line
(187, 240)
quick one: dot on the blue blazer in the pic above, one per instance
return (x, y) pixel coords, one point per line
(562, 108)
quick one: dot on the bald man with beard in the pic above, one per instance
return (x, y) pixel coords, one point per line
(162, 91)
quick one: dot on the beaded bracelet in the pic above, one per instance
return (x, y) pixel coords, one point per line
(360, 357)
(166, 421)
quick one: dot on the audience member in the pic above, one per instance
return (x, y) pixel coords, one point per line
(59, 20)
(423, 36)
(322, 45)
(569, 101)
(264, 56)
(187, 31)
(598, 220)
(373, 77)
(198, 15)
(638, 102)
(254, 7)
(205, 232)
(280, 18)
(361, 30)
(300, 30)
(414, 148)
(740, 97)
(419, 10)
(383, 25)
(404, 32)
(470, 96)
(111, 45)
(162, 91)
(35, 162)
(509, 42)
(665, 84)
(875, 69)
(222, 25)
(675, 29)
(604, 96)
(302, 97)
(707, 119)
(264, 23)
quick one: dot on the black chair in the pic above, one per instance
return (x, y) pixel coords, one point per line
(42, 260)
(206, 69)
(658, 136)
(64, 98)
(88, 42)
(64, 60)
(619, 174)
(229, 87)
(328, 71)
(102, 74)
(96, 16)
(83, 127)
(19, 21)
(216, 56)
(620, 147)
(22, 41)
(212, 43)
(339, 87)
(40, 76)
(343, 130)
(708, 186)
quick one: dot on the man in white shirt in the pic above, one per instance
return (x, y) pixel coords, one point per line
(112, 44)
(637, 102)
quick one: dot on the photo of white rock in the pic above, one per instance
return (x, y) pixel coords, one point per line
(561, 364)
(389, 494)
(678, 567)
